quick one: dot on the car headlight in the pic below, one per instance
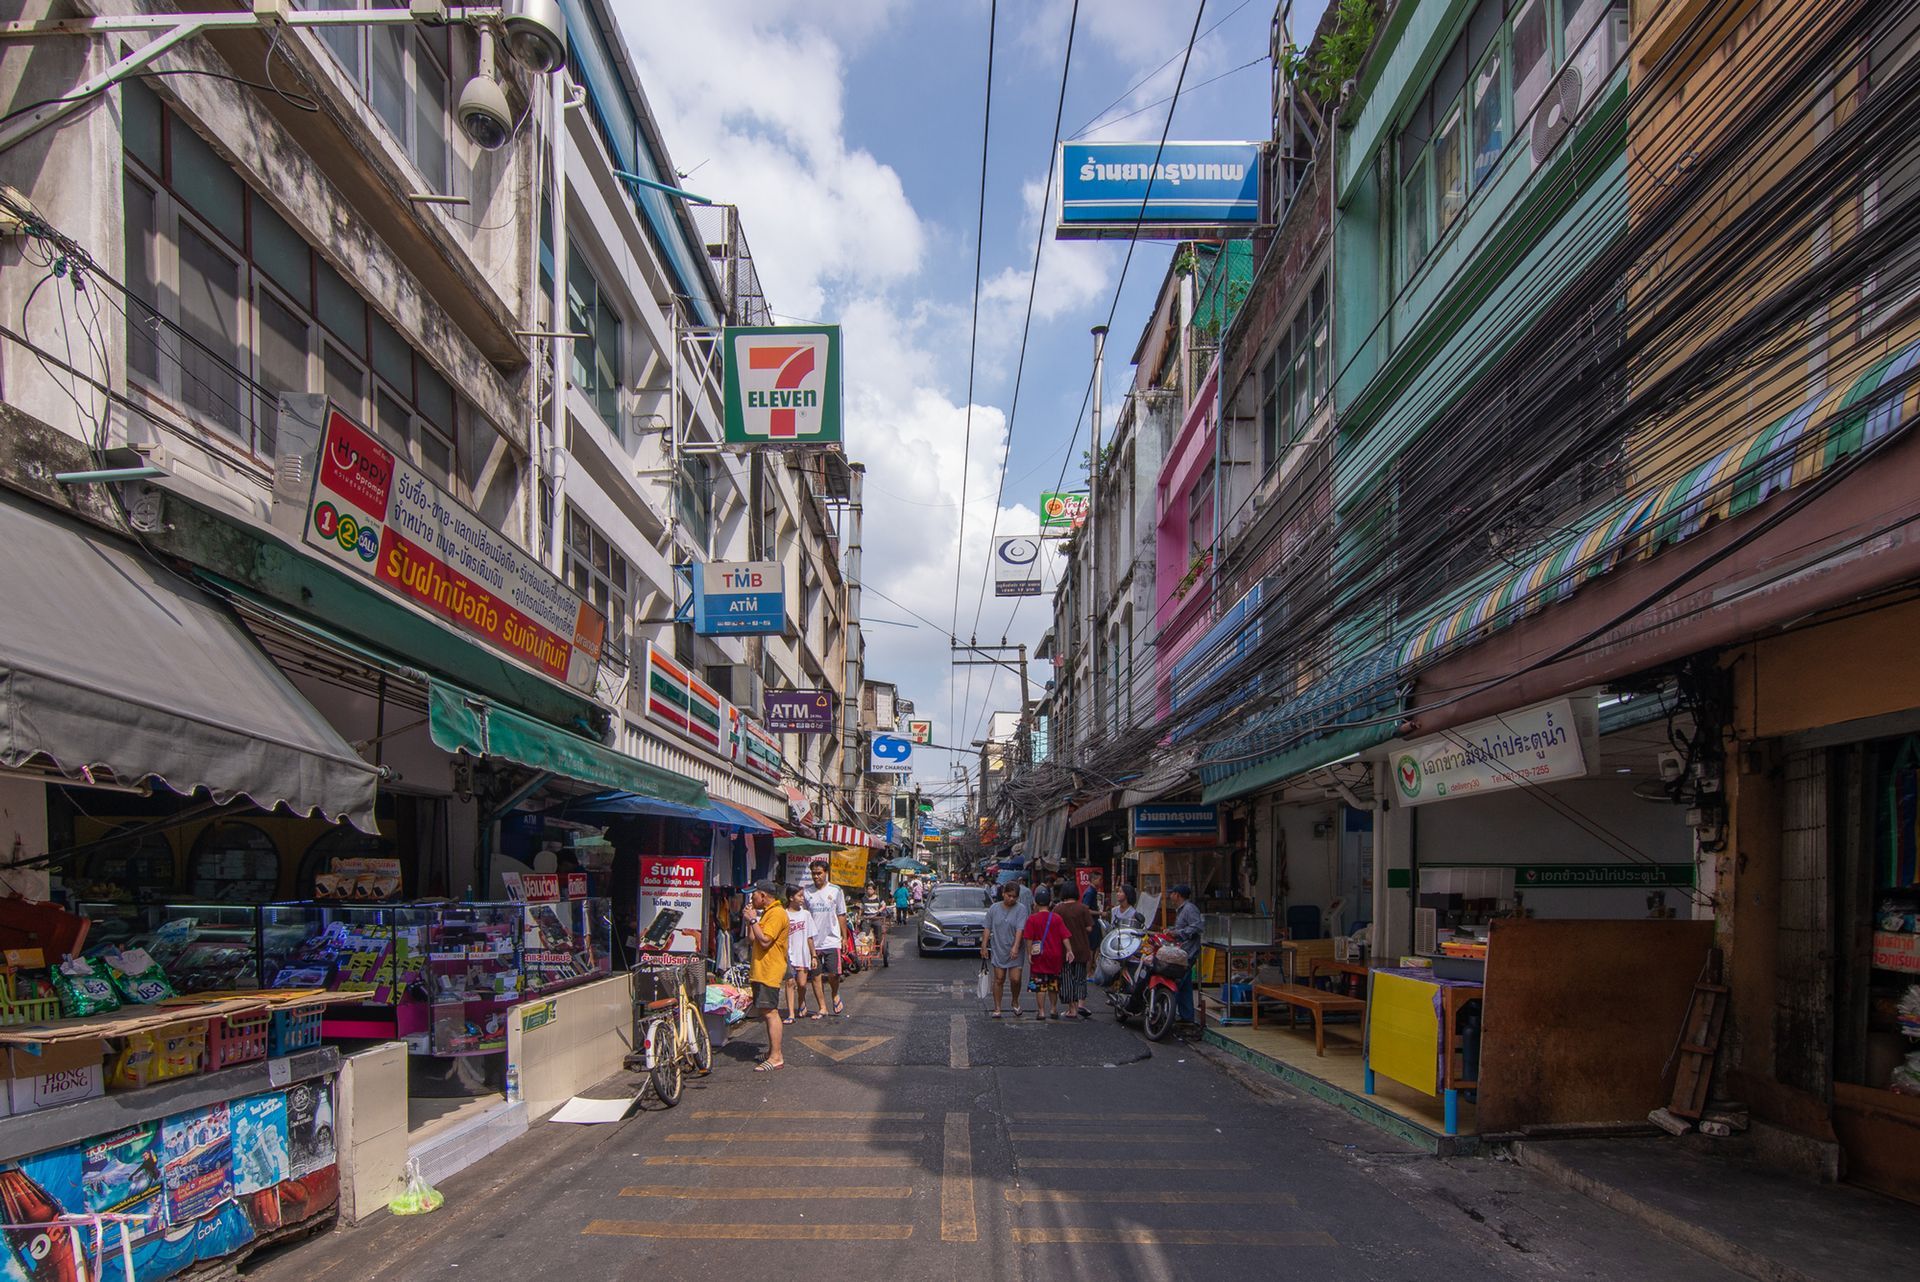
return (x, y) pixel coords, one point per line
(937, 927)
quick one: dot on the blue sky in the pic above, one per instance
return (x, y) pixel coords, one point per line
(849, 135)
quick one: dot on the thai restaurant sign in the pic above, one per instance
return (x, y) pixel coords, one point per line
(379, 516)
(1541, 744)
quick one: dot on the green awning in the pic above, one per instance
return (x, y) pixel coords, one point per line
(464, 722)
(803, 846)
(1297, 760)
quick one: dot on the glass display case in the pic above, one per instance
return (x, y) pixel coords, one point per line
(377, 950)
(473, 975)
(565, 942)
(1237, 929)
(202, 947)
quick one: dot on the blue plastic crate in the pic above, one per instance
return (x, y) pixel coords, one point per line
(294, 1030)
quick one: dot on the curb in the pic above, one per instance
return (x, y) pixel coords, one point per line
(1538, 1160)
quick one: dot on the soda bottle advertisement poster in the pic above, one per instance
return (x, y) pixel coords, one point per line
(259, 1142)
(309, 1127)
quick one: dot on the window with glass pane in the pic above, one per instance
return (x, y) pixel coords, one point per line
(1489, 116)
(1302, 376)
(1322, 341)
(596, 360)
(696, 496)
(1449, 169)
(1272, 440)
(280, 359)
(1532, 57)
(387, 75)
(143, 289)
(430, 99)
(1200, 511)
(1413, 215)
(346, 382)
(210, 355)
(206, 184)
(599, 573)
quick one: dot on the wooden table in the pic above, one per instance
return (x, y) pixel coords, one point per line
(1327, 967)
(1314, 1001)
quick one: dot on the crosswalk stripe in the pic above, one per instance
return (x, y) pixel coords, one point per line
(1028, 1197)
(1106, 1137)
(750, 1232)
(778, 1159)
(807, 1115)
(1107, 1117)
(958, 1221)
(1168, 1237)
(1131, 1163)
(734, 1193)
(789, 1137)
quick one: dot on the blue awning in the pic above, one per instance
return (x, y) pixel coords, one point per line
(1347, 712)
(614, 805)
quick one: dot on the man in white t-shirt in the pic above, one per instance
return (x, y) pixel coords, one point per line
(827, 908)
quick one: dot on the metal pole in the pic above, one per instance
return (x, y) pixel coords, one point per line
(1091, 693)
(555, 459)
(850, 763)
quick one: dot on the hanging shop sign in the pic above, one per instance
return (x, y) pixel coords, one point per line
(1537, 745)
(799, 711)
(1171, 827)
(1094, 879)
(890, 754)
(683, 702)
(1016, 566)
(1601, 876)
(739, 598)
(755, 749)
(1062, 510)
(1158, 190)
(782, 385)
(377, 515)
(920, 731)
(678, 881)
(848, 868)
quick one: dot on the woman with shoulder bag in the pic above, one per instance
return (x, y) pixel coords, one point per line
(1048, 950)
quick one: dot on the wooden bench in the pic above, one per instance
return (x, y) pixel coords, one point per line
(1318, 1003)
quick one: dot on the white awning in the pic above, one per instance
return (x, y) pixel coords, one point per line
(111, 664)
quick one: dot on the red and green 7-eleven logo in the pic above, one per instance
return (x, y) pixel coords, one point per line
(782, 385)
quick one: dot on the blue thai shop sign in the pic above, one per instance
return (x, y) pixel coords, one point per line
(1165, 827)
(734, 598)
(1117, 190)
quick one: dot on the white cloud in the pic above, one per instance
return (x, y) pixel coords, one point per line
(759, 98)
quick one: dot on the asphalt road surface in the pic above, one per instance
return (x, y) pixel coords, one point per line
(916, 1139)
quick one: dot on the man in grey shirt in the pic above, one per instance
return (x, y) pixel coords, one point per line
(1000, 944)
(1189, 924)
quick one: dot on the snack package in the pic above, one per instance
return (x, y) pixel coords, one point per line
(83, 988)
(138, 977)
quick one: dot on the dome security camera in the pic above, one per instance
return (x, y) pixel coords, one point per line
(484, 113)
(536, 33)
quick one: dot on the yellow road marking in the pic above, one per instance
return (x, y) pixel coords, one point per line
(1107, 1117)
(801, 1115)
(850, 1047)
(1131, 1164)
(1170, 1237)
(750, 1232)
(769, 1159)
(1103, 1137)
(1021, 1197)
(957, 1220)
(787, 1137)
(813, 1193)
(957, 1054)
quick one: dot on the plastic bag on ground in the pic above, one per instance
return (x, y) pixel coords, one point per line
(418, 1197)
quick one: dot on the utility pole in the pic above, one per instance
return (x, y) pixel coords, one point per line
(1091, 701)
(852, 762)
(990, 659)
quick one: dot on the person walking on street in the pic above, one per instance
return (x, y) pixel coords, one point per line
(1026, 895)
(919, 893)
(901, 898)
(799, 954)
(768, 927)
(1048, 951)
(1188, 926)
(1073, 979)
(1000, 944)
(832, 930)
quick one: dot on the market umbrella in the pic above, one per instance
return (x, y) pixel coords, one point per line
(802, 846)
(904, 864)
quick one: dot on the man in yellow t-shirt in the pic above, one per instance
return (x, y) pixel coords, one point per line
(767, 924)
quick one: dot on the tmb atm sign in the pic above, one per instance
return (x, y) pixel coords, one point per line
(782, 385)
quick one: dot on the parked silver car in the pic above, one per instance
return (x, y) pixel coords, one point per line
(952, 920)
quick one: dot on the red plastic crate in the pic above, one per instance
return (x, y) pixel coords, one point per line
(237, 1039)
(294, 1030)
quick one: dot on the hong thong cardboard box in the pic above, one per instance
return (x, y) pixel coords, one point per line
(61, 1073)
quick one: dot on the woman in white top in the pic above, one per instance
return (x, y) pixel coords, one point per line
(799, 954)
(1123, 912)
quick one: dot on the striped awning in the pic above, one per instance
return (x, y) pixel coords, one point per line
(1789, 451)
(848, 835)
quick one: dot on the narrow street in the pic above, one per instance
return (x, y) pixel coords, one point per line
(917, 1139)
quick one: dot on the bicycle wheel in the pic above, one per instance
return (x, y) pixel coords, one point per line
(700, 1054)
(1159, 1021)
(667, 1075)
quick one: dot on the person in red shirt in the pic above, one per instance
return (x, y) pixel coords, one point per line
(1049, 947)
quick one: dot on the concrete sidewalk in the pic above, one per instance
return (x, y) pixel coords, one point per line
(1773, 1227)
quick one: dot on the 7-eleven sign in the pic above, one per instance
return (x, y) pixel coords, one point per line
(783, 385)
